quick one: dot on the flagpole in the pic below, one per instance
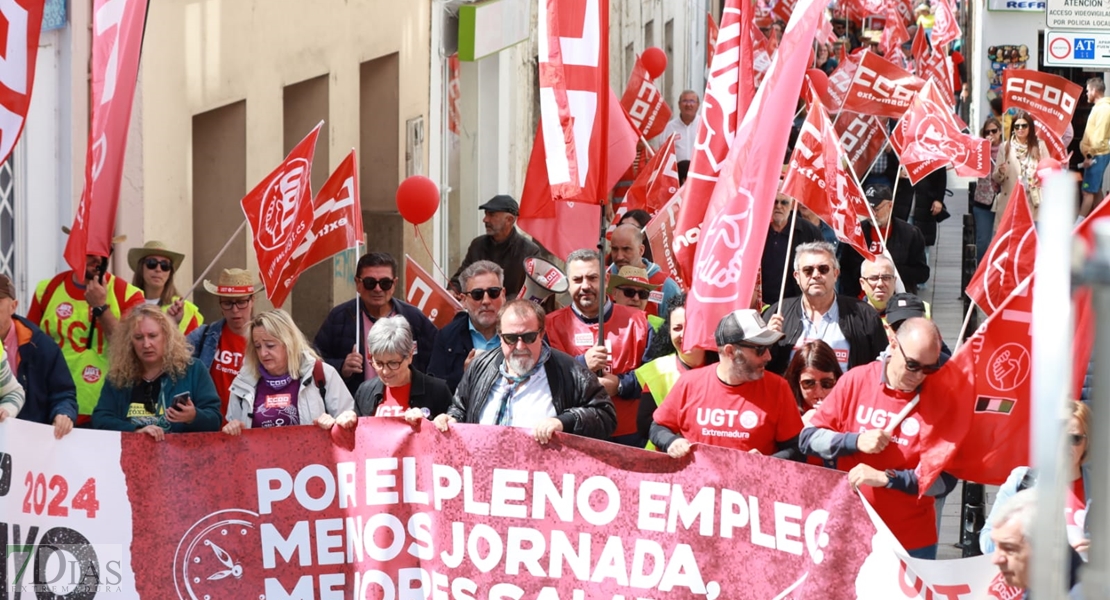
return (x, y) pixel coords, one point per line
(358, 306)
(603, 172)
(963, 328)
(786, 263)
(219, 254)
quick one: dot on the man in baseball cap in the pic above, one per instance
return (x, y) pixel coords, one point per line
(749, 409)
(904, 243)
(502, 244)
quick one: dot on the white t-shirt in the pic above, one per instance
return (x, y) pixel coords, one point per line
(530, 403)
(684, 142)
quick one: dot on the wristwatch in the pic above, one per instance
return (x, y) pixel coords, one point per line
(99, 310)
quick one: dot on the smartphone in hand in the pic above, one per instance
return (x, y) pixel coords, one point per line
(180, 400)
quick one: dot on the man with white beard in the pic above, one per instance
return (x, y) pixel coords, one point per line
(528, 384)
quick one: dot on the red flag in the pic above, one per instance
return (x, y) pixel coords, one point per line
(920, 50)
(423, 292)
(711, 31)
(279, 212)
(934, 67)
(657, 183)
(728, 93)
(737, 219)
(817, 179)
(1009, 259)
(21, 40)
(1084, 339)
(862, 138)
(880, 88)
(336, 226)
(454, 116)
(894, 33)
(117, 35)
(644, 104)
(1055, 145)
(841, 80)
(561, 146)
(782, 9)
(945, 27)
(928, 138)
(660, 232)
(1049, 98)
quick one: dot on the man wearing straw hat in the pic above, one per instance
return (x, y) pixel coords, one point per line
(220, 346)
(630, 287)
(79, 311)
(626, 248)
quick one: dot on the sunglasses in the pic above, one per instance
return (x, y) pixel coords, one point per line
(822, 269)
(1021, 125)
(529, 337)
(154, 263)
(392, 365)
(635, 293)
(826, 384)
(1076, 438)
(990, 131)
(241, 303)
(476, 294)
(386, 283)
(914, 366)
(758, 349)
(873, 279)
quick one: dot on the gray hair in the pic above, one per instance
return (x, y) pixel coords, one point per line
(482, 267)
(583, 255)
(879, 259)
(1021, 506)
(1098, 84)
(391, 335)
(815, 248)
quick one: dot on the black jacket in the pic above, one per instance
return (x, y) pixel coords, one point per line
(509, 254)
(580, 402)
(449, 353)
(929, 189)
(428, 393)
(859, 322)
(775, 252)
(337, 336)
(907, 250)
(43, 373)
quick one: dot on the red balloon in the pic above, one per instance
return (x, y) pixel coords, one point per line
(820, 82)
(417, 199)
(655, 61)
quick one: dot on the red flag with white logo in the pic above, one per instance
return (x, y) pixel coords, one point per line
(1009, 259)
(336, 226)
(934, 67)
(279, 212)
(1049, 98)
(23, 20)
(646, 109)
(817, 179)
(657, 183)
(728, 93)
(425, 293)
(1084, 339)
(894, 32)
(920, 50)
(1055, 145)
(711, 31)
(782, 9)
(928, 138)
(561, 147)
(862, 138)
(841, 80)
(117, 36)
(739, 212)
(880, 87)
(660, 233)
(945, 27)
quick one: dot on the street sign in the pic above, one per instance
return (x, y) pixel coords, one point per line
(1079, 14)
(1087, 49)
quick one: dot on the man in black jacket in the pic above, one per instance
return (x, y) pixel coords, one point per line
(502, 244)
(905, 243)
(336, 343)
(531, 385)
(474, 330)
(851, 327)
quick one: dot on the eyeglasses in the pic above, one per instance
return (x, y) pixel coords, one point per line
(991, 131)
(782, 202)
(1021, 125)
(1076, 438)
(913, 366)
(873, 279)
(511, 339)
(822, 269)
(634, 293)
(241, 303)
(392, 365)
(478, 293)
(154, 263)
(370, 283)
(826, 384)
(757, 348)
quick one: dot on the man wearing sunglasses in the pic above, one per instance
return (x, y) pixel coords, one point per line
(630, 287)
(735, 404)
(626, 249)
(574, 330)
(375, 280)
(904, 242)
(527, 384)
(474, 330)
(857, 426)
(502, 244)
(851, 327)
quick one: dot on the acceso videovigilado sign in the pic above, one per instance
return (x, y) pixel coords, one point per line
(1078, 14)
(1090, 49)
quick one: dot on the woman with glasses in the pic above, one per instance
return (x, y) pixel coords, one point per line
(399, 390)
(812, 373)
(1017, 163)
(283, 382)
(1077, 501)
(154, 386)
(985, 191)
(154, 265)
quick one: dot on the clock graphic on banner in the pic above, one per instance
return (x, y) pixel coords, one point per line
(209, 561)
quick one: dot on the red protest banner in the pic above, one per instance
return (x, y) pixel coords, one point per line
(117, 35)
(423, 292)
(645, 106)
(279, 212)
(880, 87)
(1049, 98)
